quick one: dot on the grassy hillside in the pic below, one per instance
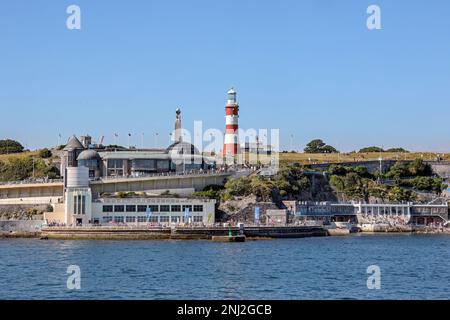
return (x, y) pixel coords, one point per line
(306, 158)
(314, 158)
(7, 157)
(20, 166)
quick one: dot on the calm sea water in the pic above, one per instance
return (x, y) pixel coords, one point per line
(412, 267)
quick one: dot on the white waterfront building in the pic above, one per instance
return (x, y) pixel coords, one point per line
(81, 208)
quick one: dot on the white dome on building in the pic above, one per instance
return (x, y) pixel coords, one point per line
(88, 155)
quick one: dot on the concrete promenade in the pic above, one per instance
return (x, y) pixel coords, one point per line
(178, 233)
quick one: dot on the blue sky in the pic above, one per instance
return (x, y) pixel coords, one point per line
(310, 68)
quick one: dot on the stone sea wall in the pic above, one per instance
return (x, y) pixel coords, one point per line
(20, 228)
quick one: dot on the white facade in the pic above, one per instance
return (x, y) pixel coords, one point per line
(78, 206)
(81, 210)
(164, 211)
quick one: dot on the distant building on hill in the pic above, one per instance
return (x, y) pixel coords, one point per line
(102, 161)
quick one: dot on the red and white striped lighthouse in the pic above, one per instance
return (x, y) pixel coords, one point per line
(231, 144)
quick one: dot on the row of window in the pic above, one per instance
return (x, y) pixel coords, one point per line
(385, 210)
(79, 204)
(153, 208)
(154, 219)
(146, 164)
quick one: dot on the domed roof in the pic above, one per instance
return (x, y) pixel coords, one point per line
(181, 147)
(88, 155)
(73, 144)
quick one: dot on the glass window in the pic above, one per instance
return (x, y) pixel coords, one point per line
(141, 208)
(153, 219)
(187, 207)
(154, 208)
(119, 219)
(142, 219)
(198, 208)
(91, 164)
(115, 172)
(78, 211)
(120, 208)
(198, 219)
(74, 204)
(114, 167)
(107, 219)
(165, 208)
(175, 219)
(143, 164)
(83, 204)
(131, 208)
(164, 219)
(162, 165)
(175, 208)
(130, 219)
(79, 204)
(115, 164)
(107, 208)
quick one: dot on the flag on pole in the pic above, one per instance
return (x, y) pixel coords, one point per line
(149, 212)
(186, 213)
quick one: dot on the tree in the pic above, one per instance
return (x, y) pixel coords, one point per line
(397, 150)
(398, 194)
(315, 146)
(45, 153)
(262, 188)
(432, 184)
(238, 187)
(329, 149)
(211, 192)
(417, 168)
(318, 146)
(20, 168)
(353, 186)
(420, 168)
(371, 149)
(398, 171)
(10, 146)
(340, 170)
